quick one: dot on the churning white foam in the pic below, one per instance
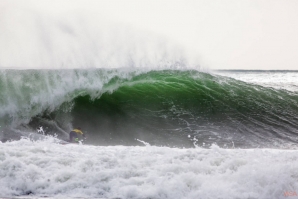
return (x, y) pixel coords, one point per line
(45, 168)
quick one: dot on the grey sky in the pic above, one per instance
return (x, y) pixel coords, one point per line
(224, 34)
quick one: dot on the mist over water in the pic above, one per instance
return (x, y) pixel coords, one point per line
(32, 38)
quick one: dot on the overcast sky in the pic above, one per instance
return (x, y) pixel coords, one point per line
(224, 34)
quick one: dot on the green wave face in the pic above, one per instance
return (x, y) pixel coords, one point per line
(168, 108)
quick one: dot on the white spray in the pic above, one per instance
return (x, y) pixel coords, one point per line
(32, 38)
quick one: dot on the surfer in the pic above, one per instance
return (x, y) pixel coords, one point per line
(74, 135)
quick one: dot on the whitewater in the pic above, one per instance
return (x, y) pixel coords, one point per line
(47, 169)
(157, 124)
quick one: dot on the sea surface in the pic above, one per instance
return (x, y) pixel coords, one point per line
(151, 133)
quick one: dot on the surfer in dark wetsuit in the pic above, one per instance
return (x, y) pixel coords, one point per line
(74, 135)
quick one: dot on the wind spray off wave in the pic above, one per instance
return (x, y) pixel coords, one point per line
(32, 38)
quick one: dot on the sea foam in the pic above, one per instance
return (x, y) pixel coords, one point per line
(45, 168)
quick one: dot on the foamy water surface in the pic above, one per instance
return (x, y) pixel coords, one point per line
(48, 169)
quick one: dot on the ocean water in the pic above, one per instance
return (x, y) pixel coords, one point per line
(157, 124)
(151, 133)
